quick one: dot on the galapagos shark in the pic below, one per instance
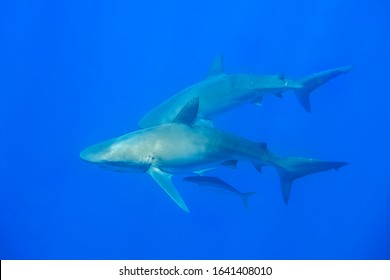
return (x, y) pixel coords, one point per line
(220, 92)
(184, 146)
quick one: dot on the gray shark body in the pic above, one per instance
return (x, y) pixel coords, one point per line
(182, 147)
(220, 92)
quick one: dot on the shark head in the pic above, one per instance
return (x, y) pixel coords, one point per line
(122, 154)
(97, 153)
(142, 150)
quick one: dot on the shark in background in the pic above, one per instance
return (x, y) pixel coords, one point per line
(220, 92)
(184, 146)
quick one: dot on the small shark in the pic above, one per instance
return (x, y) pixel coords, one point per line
(183, 146)
(220, 92)
(215, 182)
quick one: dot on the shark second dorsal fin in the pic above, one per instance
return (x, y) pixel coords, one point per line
(164, 181)
(216, 67)
(188, 113)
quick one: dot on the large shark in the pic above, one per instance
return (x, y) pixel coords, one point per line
(183, 146)
(220, 92)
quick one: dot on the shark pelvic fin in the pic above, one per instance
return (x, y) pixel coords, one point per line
(259, 168)
(164, 180)
(279, 94)
(216, 67)
(188, 113)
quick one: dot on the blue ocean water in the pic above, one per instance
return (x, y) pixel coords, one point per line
(74, 73)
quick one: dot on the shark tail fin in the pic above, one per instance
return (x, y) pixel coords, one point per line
(245, 197)
(292, 168)
(315, 80)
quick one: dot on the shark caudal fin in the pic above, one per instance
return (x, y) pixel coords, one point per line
(315, 80)
(292, 168)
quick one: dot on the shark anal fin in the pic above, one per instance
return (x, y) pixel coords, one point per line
(279, 94)
(188, 113)
(164, 180)
(258, 100)
(263, 145)
(230, 163)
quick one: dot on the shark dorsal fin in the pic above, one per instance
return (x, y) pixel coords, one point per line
(188, 113)
(216, 67)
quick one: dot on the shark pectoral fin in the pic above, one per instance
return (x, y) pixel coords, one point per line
(188, 113)
(164, 180)
(216, 68)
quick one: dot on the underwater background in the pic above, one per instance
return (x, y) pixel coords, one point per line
(74, 73)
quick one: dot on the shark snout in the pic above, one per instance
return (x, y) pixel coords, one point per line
(88, 156)
(97, 153)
